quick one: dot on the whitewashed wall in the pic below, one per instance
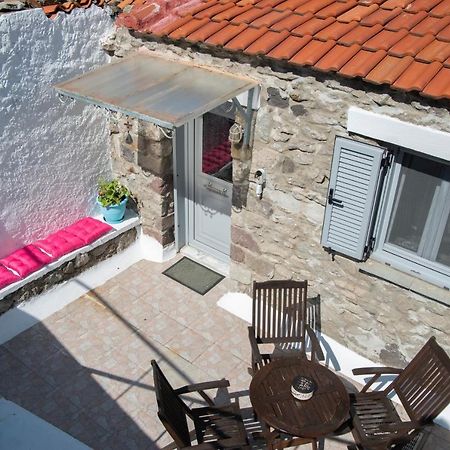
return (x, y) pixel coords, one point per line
(51, 153)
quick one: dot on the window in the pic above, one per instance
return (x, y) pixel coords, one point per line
(393, 204)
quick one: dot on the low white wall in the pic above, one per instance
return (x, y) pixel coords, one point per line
(51, 153)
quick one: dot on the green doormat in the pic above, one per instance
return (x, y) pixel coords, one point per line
(193, 275)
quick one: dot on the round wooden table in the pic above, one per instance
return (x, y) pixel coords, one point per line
(324, 413)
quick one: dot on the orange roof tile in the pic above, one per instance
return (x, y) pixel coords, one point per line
(417, 79)
(289, 47)
(362, 63)
(266, 42)
(402, 43)
(337, 57)
(360, 34)
(439, 86)
(312, 52)
(389, 69)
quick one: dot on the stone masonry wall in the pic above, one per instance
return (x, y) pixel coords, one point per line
(144, 164)
(69, 269)
(279, 236)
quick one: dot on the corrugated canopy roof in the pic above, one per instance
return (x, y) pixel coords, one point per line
(164, 92)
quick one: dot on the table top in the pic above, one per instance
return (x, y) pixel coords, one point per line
(324, 413)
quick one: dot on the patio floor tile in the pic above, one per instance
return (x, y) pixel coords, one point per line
(87, 368)
(188, 344)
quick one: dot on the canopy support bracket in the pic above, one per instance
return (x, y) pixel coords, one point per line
(247, 114)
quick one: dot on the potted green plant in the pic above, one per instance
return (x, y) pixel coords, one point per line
(112, 198)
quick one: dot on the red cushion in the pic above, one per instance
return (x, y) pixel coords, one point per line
(59, 244)
(88, 229)
(26, 260)
(7, 277)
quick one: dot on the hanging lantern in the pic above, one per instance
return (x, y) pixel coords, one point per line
(236, 133)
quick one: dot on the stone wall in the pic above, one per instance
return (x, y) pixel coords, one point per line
(142, 159)
(68, 270)
(279, 236)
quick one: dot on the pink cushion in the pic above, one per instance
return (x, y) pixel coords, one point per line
(59, 244)
(26, 260)
(88, 229)
(7, 277)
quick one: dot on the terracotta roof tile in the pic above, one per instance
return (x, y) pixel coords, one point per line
(266, 42)
(188, 28)
(392, 4)
(213, 10)
(270, 3)
(335, 30)
(270, 18)
(245, 38)
(226, 34)
(313, 6)
(336, 58)
(362, 63)
(431, 25)
(232, 12)
(203, 6)
(441, 10)
(444, 35)
(357, 13)
(410, 45)
(335, 9)
(435, 51)
(384, 40)
(359, 35)
(289, 47)
(422, 5)
(380, 16)
(312, 26)
(404, 43)
(290, 5)
(50, 9)
(204, 32)
(250, 15)
(389, 69)
(405, 20)
(439, 86)
(172, 26)
(312, 52)
(417, 77)
(290, 22)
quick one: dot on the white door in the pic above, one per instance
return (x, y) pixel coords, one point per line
(209, 218)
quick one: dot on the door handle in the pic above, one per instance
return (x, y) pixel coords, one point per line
(332, 200)
(216, 190)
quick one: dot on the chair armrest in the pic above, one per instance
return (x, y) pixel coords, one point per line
(316, 350)
(403, 426)
(256, 354)
(201, 387)
(376, 372)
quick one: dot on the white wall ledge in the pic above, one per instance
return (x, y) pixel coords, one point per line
(130, 221)
(422, 139)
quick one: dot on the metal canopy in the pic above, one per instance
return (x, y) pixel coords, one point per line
(164, 92)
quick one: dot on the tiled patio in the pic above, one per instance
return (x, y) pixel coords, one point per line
(86, 369)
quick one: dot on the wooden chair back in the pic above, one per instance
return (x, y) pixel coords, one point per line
(424, 385)
(279, 311)
(171, 409)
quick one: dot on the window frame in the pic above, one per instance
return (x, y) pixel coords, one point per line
(397, 257)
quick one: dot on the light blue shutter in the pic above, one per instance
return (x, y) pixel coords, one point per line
(352, 193)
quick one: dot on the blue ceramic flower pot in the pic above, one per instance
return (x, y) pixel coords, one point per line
(114, 213)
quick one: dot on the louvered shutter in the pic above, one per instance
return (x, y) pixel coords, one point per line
(352, 193)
